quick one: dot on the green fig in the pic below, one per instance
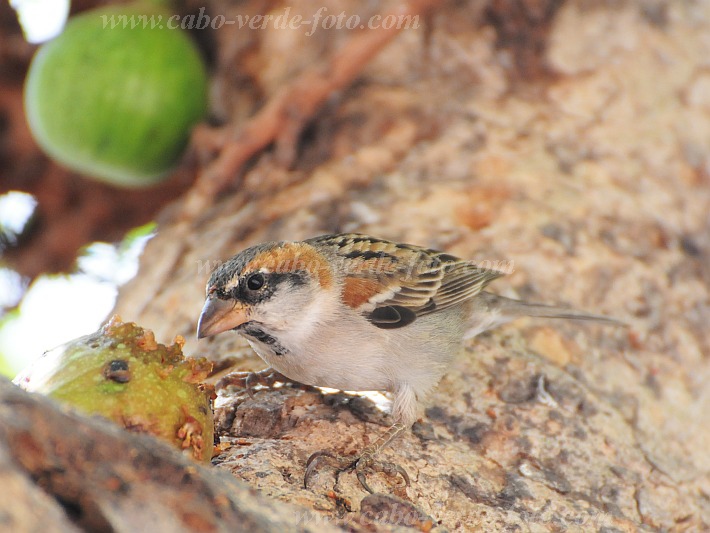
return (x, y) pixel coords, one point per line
(116, 94)
(121, 373)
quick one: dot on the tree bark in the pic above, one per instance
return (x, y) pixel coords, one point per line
(67, 472)
(586, 173)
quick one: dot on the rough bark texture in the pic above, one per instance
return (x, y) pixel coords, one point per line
(587, 170)
(65, 472)
(590, 176)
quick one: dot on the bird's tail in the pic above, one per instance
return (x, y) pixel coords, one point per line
(499, 310)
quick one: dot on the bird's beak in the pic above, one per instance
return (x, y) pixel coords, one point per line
(220, 315)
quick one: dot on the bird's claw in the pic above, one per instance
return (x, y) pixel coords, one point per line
(385, 467)
(248, 380)
(360, 465)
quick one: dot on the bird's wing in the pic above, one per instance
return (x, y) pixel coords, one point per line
(393, 284)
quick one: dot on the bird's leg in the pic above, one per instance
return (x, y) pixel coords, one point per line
(247, 380)
(367, 458)
(365, 462)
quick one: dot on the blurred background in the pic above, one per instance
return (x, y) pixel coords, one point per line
(67, 241)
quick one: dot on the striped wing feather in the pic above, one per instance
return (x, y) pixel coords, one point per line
(393, 284)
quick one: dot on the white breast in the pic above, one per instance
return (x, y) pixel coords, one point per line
(348, 353)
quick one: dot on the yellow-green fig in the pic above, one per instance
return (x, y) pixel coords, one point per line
(121, 373)
(117, 93)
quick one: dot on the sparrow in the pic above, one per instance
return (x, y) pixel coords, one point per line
(358, 313)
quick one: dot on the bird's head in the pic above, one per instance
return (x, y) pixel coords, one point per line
(272, 284)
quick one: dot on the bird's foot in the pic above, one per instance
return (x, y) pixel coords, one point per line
(362, 464)
(248, 380)
(366, 462)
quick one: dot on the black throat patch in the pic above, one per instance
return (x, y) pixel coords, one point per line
(254, 331)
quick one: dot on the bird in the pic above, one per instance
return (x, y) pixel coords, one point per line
(358, 313)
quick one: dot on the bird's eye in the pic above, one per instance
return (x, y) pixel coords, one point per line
(255, 281)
